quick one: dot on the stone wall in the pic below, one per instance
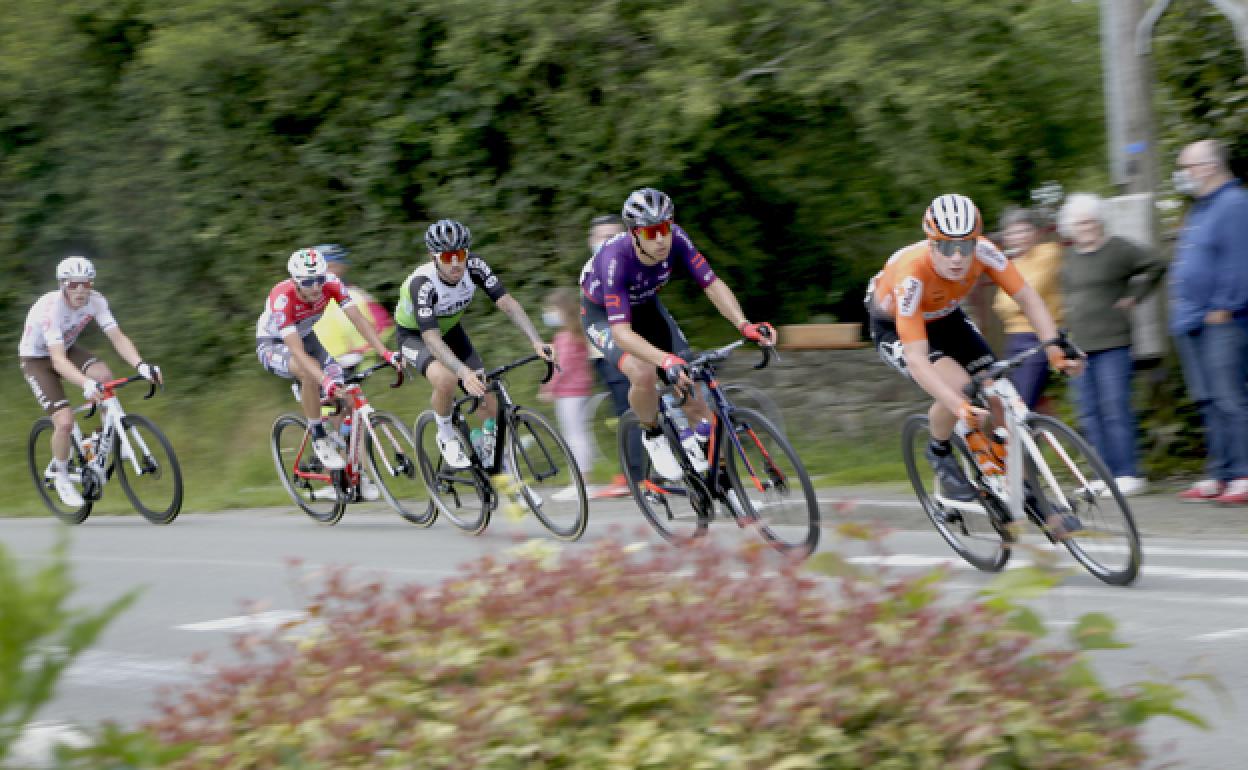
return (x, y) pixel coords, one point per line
(845, 395)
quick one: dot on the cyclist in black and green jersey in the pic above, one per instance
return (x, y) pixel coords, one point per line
(433, 340)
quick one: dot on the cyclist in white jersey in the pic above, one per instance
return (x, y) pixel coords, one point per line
(49, 354)
(433, 341)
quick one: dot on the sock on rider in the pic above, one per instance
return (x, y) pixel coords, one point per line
(61, 467)
(317, 426)
(941, 448)
(445, 429)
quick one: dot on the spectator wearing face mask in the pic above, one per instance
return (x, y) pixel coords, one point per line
(571, 386)
(1209, 315)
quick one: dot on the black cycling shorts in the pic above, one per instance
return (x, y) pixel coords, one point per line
(954, 336)
(650, 320)
(417, 353)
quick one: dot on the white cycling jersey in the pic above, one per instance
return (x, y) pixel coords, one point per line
(51, 321)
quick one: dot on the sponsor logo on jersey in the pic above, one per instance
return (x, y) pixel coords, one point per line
(279, 319)
(281, 301)
(990, 255)
(908, 295)
(491, 282)
(425, 295)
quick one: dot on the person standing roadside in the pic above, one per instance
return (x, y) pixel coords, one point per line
(1040, 263)
(1209, 314)
(1098, 293)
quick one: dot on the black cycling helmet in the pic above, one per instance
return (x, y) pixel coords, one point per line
(647, 206)
(447, 235)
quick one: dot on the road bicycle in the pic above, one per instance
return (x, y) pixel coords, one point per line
(378, 444)
(1053, 478)
(537, 466)
(129, 444)
(752, 471)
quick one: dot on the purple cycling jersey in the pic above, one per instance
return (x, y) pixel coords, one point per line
(617, 280)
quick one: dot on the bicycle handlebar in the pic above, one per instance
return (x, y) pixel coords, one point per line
(996, 369)
(359, 377)
(700, 363)
(111, 385)
(493, 375)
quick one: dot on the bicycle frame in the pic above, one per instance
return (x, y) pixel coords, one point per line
(506, 407)
(111, 429)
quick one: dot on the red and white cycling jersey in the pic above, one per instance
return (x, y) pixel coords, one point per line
(51, 321)
(285, 312)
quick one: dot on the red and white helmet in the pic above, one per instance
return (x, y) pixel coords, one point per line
(306, 263)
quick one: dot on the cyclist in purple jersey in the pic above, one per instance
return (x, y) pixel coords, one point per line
(626, 322)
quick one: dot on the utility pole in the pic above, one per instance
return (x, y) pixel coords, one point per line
(1128, 98)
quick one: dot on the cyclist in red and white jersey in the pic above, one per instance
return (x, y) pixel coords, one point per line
(287, 346)
(49, 353)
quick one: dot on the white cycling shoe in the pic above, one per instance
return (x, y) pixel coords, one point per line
(66, 490)
(327, 454)
(368, 490)
(662, 457)
(452, 450)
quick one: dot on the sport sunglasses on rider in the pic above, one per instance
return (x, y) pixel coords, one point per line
(79, 284)
(316, 280)
(651, 232)
(451, 257)
(964, 246)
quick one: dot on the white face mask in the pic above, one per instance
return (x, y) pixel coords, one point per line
(1184, 184)
(552, 318)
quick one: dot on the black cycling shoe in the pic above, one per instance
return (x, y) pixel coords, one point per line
(953, 482)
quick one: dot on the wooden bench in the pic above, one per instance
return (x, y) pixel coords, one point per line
(840, 336)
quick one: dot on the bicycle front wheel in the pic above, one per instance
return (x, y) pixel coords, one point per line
(769, 478)
(669, 506)
(39, 457)
(309, 485)
(463, 495)
(547, 478)
(394, 462)
(155, 490)
(971, 530)
(1096, 522)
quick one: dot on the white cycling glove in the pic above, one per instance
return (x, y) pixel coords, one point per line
(149, 372)
(90, 389)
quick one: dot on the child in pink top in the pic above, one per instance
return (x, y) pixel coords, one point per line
(571, 386)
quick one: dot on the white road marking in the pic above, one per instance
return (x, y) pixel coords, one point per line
(104, 668)
(1215, 636)
(915, 561)
(258, 621)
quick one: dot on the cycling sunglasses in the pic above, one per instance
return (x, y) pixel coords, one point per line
(963, 246)
(317, 280)
(652, 232)
(79, 284)
(453, 257)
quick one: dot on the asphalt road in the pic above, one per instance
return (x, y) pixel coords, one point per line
(208, 576)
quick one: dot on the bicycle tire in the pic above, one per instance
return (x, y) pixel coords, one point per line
(288, 441)
(566, 519)
(658, 498)
(39, 455)
(394, 463)
(954, 525)
(445, 484)
(137, 423)
(763, 495)
(1089, 505)
(749, 397)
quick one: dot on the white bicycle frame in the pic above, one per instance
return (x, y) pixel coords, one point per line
(111, 428)
(1019, 443)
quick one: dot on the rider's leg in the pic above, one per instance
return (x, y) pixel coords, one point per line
(62, 430)
(309, 377)
(642, 393)
(943, 420)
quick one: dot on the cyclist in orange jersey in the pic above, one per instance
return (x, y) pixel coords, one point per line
(919, 327)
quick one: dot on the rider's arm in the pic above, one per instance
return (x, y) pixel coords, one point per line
(365, 328)
(726, 303)
(63, 366)
(438, 347)
(124, 347)
(928, 378)
(515, 312)
(635, 345)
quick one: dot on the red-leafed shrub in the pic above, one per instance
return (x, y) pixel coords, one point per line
(603, 657)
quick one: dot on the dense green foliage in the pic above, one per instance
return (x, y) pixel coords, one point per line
(191, 146)
(608, 657)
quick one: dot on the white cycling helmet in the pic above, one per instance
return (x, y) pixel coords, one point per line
(306, 263)
(447, 235)
(75, 269)
(951, 217)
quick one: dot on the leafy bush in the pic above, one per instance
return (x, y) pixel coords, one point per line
(40, 636)
(618, 657)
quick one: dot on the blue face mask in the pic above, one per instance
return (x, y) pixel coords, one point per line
(1184, 184)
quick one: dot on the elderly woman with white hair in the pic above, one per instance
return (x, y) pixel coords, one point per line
(1103, 278)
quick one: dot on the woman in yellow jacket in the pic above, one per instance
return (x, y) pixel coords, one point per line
(1040, 262)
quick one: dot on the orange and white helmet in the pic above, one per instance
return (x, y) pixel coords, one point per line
(952, 217)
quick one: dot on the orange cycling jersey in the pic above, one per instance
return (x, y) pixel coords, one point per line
(910, 291)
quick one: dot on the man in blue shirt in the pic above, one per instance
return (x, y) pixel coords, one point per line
(1209, 314)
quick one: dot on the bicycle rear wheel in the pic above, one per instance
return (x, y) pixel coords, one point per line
(463, 495)
(298, 466)
(770, 479)
(394, 463)
(1102, 535)
(156, 490)
(671, 507)
(550, 483)
(977, 534)
(39, 458)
